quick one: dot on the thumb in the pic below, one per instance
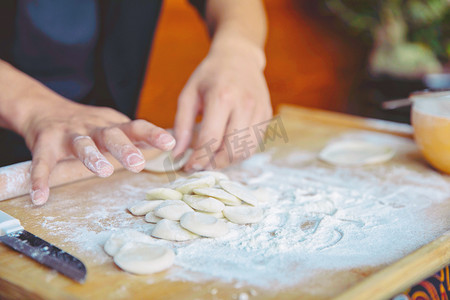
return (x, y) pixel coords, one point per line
(187, 110)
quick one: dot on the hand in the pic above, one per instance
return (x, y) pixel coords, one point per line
(230, 91)
(63, 129)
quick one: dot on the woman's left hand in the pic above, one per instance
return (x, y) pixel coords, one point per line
(230, 91)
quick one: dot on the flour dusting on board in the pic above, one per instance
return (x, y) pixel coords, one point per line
(317, 217)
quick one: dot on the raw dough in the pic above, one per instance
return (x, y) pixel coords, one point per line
(220, 194)
(141, 258)
(218, 215)
(151, 218)
(165, 162)
(143, 207)
(204, 203)
(217, 175)
(188, 185)
(355, 153)
(239, 191)
(243, 214)
(172, 209)
(172, 231)
(163, 194)
(204, 225)
(121, 237)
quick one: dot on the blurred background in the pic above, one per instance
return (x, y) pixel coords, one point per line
(347, 56)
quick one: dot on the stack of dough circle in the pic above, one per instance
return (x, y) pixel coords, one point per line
(199, 205)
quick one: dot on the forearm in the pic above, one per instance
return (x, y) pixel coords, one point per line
(18, 97)
(239, 25)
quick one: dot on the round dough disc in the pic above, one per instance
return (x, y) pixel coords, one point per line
(218, 215)
(172, 231)
(143, 207)
(204, 203)
(172, 209)
(165, 162)
(163, 194)
(220, 194)
(151, 218)
(204, 225)
(121, 237)
(141, 258)
(187, 186)
(356, 153)
(243, 214)
(239, 191)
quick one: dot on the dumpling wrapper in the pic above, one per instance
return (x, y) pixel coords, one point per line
(121, 237)
(243, 214)
(172, 209)
(239, 191)
(142, 258)
(151, 218)
(220, 194)
(188, 185)
(356, 153)
(143, 207)
(204, 203)
(163, 194)
(204, 225)
(172, 231)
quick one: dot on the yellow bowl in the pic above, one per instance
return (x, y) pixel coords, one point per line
(431, 122)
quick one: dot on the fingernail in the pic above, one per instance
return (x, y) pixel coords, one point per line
(37, 197)
(166, 140)
(134, 160)
(104, 168)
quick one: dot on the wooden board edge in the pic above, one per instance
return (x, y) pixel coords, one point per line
(404, 273)
(346, 120)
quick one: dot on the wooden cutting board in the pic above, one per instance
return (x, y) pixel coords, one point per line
(96, 204)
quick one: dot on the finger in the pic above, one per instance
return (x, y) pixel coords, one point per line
(143, 131)
(212, 130)
(119, 145)
(85, 149)
(239, 141)
(43, 162)
(187, 110)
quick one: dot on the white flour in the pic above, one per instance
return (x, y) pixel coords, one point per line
(317, 217)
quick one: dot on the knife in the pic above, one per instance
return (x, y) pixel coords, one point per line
(15, 236)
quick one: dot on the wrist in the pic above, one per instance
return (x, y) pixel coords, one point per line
(229, 43)
(21, 98)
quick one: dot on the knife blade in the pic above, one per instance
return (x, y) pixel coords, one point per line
(15, 236)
